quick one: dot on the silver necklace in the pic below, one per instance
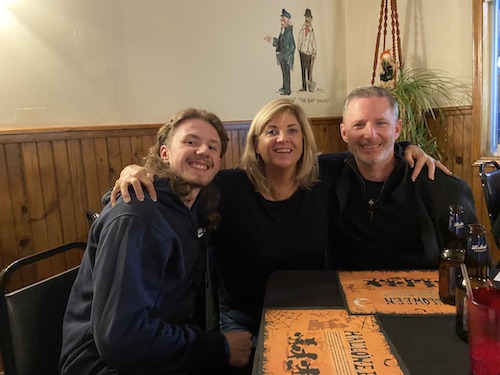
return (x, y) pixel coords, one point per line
(372, 202)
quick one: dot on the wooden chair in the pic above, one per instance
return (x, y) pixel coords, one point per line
(31, 317)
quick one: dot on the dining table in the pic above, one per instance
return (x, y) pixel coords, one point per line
(418, 344)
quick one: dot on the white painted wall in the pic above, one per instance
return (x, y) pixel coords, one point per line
(67, 62)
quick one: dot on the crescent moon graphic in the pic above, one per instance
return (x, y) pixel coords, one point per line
(358, 301)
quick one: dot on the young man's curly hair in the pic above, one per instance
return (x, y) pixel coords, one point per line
(209, 194)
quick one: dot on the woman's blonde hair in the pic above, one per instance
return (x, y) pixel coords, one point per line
(307, 172)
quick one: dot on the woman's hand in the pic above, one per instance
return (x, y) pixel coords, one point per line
(417, 158)
(136, 176)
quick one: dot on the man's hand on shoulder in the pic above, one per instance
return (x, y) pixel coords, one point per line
(137, 176)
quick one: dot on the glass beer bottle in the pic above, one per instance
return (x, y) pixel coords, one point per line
(452, 254)
(478, 262)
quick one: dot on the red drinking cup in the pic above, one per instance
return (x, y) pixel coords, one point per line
(483, 320)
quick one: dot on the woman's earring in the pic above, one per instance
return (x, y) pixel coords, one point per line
(258, 158)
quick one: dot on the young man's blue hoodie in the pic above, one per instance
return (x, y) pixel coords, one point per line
(134, 305)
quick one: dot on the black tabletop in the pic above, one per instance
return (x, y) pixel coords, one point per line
(425, 345)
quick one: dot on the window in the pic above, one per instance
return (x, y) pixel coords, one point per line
(491, 77)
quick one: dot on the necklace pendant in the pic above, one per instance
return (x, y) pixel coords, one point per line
(371, 202)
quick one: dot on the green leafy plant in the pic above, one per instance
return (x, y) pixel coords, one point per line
(419, 93)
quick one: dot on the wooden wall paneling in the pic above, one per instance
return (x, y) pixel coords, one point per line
(64, 187)
(142, 145)
(456, 134)
(104, 179)
(448, 147)
(147, 142)
(19, 200)
(138, 150)
(322, 138)
(224, 163)
(439, 130)
(239, 140)
(4, 202)
(20, 228)
(35, 205)
(87, 161)
(237, 133)
(242, 139)
(65, 154)
(453, 137)
(90, 163)
(126, 156)
(456, 142)
(126, 153)
(458, 147)
(76, 226)
(114, 158)
(231, 156)
(51, 209)
(132, 150)
(78, 188)
(327, 134)
(8, 242)
(468, 170)
(227, 158)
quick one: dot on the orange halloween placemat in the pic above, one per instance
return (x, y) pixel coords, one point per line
(330, 341)
(393, 292)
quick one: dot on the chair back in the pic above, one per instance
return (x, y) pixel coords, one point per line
(31, 317)
(489, 173)
(91, 215)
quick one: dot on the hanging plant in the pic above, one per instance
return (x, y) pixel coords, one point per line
(419, 92)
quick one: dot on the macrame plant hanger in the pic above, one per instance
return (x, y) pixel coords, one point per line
(390, 60)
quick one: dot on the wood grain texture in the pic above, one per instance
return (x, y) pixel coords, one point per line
(48, 177)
